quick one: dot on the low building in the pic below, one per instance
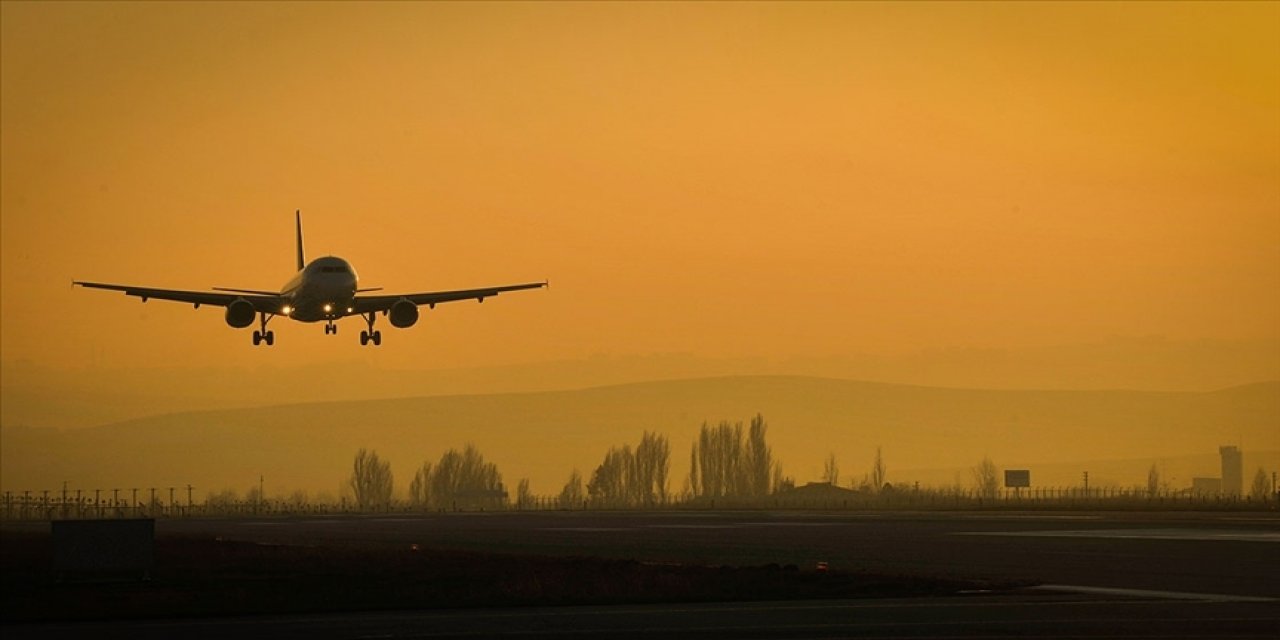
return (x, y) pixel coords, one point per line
(1206, 486)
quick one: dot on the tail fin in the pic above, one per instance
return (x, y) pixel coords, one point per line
(298, 218)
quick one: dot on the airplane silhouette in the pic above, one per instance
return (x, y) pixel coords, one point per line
(323, 290)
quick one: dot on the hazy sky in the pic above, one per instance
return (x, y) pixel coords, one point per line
(720, 179)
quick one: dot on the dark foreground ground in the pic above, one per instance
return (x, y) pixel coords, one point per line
(197, 576)
(721, 574)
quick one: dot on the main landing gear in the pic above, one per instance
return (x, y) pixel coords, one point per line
(262, 335)
(370, 336)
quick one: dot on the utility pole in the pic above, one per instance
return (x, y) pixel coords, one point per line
(134, 502)
(115, 501)
(189, 487)
(1086, 484)
(171, 497)
(97, 503)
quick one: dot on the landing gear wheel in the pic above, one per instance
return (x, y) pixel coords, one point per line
(370, 336)
(262, 335)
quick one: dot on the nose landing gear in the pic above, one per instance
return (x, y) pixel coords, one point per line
(370, 336)
(331, 328)
(262, 335)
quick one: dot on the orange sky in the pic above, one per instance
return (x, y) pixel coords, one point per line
(720, 179)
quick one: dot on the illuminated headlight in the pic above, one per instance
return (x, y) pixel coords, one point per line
(328, 308)
(286, 310)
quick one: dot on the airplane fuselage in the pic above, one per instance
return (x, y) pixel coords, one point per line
(324, 290)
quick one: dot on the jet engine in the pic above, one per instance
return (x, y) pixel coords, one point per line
(403, 313)
(240, 313)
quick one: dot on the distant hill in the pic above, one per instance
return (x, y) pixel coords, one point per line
(544, 435)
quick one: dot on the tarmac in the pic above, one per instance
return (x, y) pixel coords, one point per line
(1101, 574)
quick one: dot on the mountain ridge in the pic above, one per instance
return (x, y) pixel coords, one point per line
(310, 445)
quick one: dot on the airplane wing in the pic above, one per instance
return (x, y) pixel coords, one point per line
(365, 304)
(262, 303)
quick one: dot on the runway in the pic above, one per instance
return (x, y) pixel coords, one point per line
(962, 618)
(1103, 575)
(1200, 552)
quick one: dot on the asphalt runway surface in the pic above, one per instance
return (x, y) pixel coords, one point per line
(1203, 574)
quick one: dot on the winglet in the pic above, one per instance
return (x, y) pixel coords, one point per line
(298, 218)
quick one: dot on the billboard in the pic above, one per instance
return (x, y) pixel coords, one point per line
(1017, 478)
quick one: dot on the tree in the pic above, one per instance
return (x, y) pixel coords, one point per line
(420, 486)
(831, 471)
(652, 461)
(758, 464)
(878, 474)
(462, 479)
(1153, 481)
(524, 497)
(716, 460)
(721, 464)
(633, 477)
(371, 480)
(985, 479)
(571, 495)
(610, 483)
(298, 498)
(1261, 488)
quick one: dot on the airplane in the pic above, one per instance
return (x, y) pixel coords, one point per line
(323, 290)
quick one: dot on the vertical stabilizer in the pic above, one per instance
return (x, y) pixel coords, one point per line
(298, 218)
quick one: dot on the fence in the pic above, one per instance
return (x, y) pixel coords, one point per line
(79, 504)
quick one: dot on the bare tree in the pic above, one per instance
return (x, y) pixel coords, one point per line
(831, 471)
(985, 479)
(878, 473)
(420, 486)
(524, 497)
(298, 498)
(1153, 481)
(571, 495)
(371, 480)
(1261, 487)
(611, 482)
(758, 465)
(722, 464)
(651, 463)
(462, 479)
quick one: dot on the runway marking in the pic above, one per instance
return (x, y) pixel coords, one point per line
(586, 529)
(1149, 593)
(1140, 534)
(1031, 516)
(693, 526)
(792, 524)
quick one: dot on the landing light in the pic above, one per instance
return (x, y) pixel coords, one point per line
(349, 309)
(328, 308)
(286, 310)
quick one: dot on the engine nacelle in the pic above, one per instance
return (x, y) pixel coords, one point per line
(240, 313)
(403, 313)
